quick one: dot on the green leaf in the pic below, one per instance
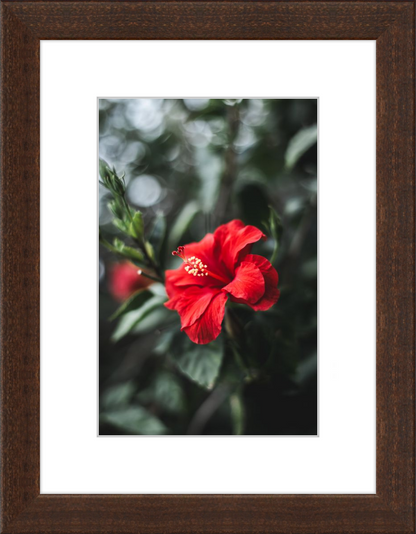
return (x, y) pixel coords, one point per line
(133, 254)
(166, 391)
(128, 252)
(276, 229)
(134, 420)
(157, 318)
(118, 395)
(181, 224)
(137, 226)
(134, 302)
(132, 318)
(118, 244)
(150, 250)
(299, 144)
(306, 370)
(104, 169)
(121, 225)
(200, 363)
(164, 342)
(116, 209)
(158, 289)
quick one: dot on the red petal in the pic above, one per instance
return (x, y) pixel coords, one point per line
(271, 278)
(248, 283)
(191, 303)
(233, 237)
(177, 279)
(208, 326)
(203, 250)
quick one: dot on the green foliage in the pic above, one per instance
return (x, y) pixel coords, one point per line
(128, 252)
(121, 225)
(276, 228)
(110, 180)
(135, 302)
(299, 144)
(118, 396)
(104, 170)
(131, 319)
(118, 411)
(150, 252)
(165, 391)
(133, 420)
(116, 209)
(136, 227)
(157, 318)
(200, 363)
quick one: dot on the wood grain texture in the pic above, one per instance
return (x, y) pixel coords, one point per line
(391, 510)
(208, 20)
(395, 265)
(20, 236)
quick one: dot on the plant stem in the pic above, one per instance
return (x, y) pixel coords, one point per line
(110, 247)
(141, 245)
(236, 335)
(150, 261)
(237, 412)
(207, 409)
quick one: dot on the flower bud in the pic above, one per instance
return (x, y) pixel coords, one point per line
(118, 186)
(110, 180)
(125, 280)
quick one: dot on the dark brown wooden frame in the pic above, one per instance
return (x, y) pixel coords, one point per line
(23, 508)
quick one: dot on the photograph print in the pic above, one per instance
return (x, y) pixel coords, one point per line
(207, 266)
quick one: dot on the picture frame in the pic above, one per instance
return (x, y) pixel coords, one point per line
(23, 507)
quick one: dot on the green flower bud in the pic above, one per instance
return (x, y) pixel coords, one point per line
(110, 180)
(118, 186)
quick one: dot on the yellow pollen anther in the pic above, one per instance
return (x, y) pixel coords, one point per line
(195, 266)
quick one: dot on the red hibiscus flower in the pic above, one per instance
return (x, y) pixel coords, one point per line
(125, 280)
(218, 267)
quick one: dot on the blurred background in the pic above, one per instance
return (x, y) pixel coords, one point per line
(191, 165)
